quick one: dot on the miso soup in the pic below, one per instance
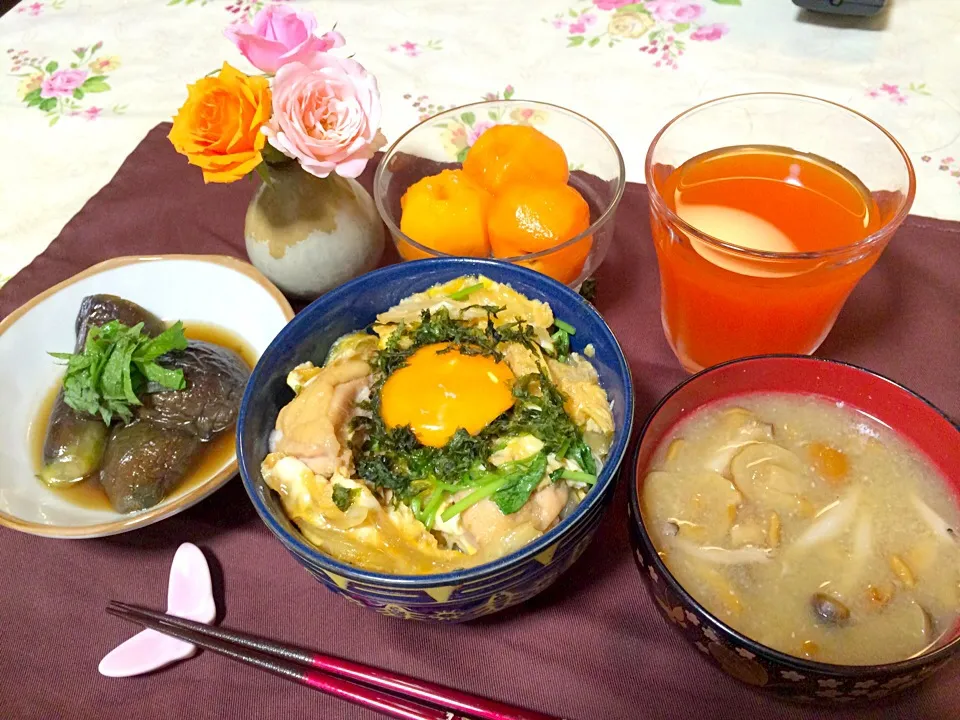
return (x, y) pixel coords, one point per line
(808, 527)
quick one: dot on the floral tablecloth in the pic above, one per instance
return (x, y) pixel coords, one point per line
(84, 80)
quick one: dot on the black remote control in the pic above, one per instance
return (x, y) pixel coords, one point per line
(864, 8)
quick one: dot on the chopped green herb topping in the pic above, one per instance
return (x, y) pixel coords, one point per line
(344, 497)
(464, 293)
(115, 367)
(425, 477)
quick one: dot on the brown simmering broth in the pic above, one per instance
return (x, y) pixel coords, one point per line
(808, 527)
(88, 493)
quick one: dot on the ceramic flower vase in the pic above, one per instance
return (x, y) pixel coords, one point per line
(308, 234)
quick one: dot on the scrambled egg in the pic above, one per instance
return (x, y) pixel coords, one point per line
(311, 469)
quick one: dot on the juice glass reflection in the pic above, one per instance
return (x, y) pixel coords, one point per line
(766, 210)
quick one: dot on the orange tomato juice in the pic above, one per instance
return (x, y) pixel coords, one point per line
(720, 303)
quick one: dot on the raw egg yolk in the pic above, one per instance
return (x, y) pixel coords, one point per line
(437, 393)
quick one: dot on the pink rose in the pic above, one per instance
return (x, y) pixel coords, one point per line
(62, 83)
(326, 114)
(279, 35)
(710, 32)
(611, 4)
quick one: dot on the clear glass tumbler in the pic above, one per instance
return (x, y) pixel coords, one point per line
(721, 300)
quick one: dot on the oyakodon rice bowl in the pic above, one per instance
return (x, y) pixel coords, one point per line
(449, 455)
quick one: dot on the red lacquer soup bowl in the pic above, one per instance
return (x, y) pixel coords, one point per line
(911, 416)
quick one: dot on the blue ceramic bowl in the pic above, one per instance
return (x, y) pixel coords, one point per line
(456, 596)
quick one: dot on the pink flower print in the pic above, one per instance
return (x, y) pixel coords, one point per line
(947, 160)
(900, 99)
(392, 48)
(710, 32)
(409, 46)
(672, 11)
(31, 10)
(588, 19)
(92, 113)
(558, 23)
(611, 4)
(874, 93)
(62, 83)
(477, 130)
(890, 89)
(577, 28)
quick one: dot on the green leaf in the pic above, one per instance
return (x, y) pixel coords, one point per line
(47, 104)
(681, 27)
(170, 378)
(573, 13)
(594, 42)
(633, 8)
(581, 452)
(343, 496)
(728, 2)
(80, 53)
(116, 363)
(78, 93)
(95, 84)
(525, 476)
(575, 41)
(51, 66)
(469, 118)
(508, 93)
(492, 115)
(462, 155)
(33, 97)
(170, 339)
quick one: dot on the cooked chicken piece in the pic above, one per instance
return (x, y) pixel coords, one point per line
(486, 524)
(314, 424)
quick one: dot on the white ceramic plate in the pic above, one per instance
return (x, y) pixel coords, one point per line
(211, 289)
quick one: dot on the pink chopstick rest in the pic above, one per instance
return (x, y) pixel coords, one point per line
(190, 596)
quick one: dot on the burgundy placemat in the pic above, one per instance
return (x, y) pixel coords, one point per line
(591, 647)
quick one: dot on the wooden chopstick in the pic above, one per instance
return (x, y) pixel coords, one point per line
(330, 674)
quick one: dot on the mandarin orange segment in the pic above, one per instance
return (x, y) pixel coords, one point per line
(507, 154)
(445, 212)
(531, 218)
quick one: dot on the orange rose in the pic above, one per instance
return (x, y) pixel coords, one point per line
(218, 128)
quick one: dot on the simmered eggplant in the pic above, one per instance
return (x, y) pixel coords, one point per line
(96, 310)
(142, 462)
(73, 446)
(215, 377)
